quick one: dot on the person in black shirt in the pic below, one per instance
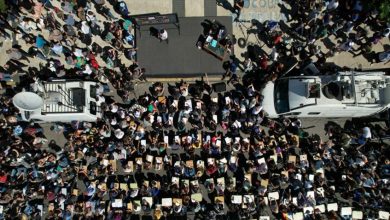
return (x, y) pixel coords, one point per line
(238, 5)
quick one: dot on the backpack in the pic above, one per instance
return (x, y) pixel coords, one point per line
(95, 29)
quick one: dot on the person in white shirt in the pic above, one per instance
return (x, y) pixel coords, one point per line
(332, 5)
(274, 54)
(163, 35)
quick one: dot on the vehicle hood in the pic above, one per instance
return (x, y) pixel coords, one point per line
(268, 100)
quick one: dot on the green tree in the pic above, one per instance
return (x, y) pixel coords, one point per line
(3, 6)
(384, 10)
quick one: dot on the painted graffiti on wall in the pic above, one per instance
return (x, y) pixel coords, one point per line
(262, 10)
(262, 4)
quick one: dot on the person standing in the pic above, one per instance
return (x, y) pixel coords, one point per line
(163, 35)
(17, 54)
(238, 5)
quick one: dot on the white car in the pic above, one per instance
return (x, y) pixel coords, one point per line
(346, 94)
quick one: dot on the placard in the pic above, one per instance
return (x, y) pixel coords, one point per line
(175, 180)
(130, 167)
(292, 159)
(273, 195)
(118, 203)
(123, 186)
(310, 194)
(357, 215)
(236, 199)
(249, 198)
(321, 191)
(332, 207)
(133, 186)
(321, 208)
(177, 201)
(215, 118)
(130, 206)
(113, 165)
(166, 202)
(149, 200)
(295, 201)
(384, 215)
(197, 197)
(177, 139)
(261, 160)
(219, 200)
(190, 163)
(346, 211)
(198, 105)
(274, 157)
(308, 210)
(264, 183)
(298, 216)
(227, 100)
(39, 207)
(149, 158)
(137, 205)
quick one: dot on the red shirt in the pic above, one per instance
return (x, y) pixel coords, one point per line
(3, 179)
(264, 63)
(277, 39)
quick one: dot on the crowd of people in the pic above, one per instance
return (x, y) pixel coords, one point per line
(180, 151)
(341, 26)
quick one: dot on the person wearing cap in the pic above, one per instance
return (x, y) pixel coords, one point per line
(119, 133)
(122, 8)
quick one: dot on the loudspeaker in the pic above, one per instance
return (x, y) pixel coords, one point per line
(219, 87)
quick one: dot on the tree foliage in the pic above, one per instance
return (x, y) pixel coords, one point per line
(3, 6)
(384, 10)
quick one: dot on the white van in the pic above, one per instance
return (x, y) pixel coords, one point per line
(60, 101)
(346, 94)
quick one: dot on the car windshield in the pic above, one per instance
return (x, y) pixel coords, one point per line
(92, 91)
(92, 107)
(281, 96)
